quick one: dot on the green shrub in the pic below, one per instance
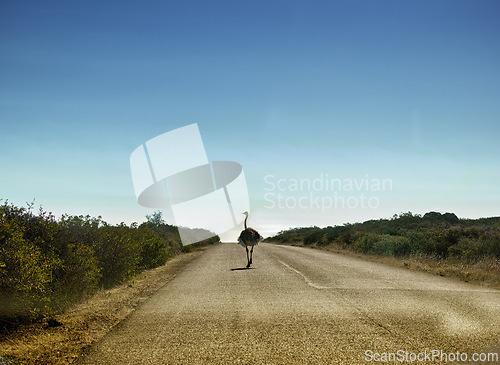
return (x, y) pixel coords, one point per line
(401, 246)
(365, 243)
(77, 276)
(434, 234)
(118, 255)
(153, 250)
(346, 237)
(25, 273)
(47, 265)
(313, 237)
(388, 245)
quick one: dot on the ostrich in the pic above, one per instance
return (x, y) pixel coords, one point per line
(249, 237)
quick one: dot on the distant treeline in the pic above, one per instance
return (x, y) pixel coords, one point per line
(48, 264)
(436, 234)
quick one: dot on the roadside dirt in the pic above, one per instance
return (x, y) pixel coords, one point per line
(88, 322)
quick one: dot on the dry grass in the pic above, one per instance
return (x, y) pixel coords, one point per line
(485, 272)
(86, 323)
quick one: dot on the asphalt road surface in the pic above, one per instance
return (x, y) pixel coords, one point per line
(304, 306)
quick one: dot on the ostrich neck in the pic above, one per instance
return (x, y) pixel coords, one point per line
(246, 222)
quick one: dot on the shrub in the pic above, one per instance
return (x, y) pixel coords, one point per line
(46, 265)
(24, 271)
(346, 237)
(365, 243)
(117, 254)
(391, 245)
(77, 276)
(153, 250)
(435, 234)
(313, 237)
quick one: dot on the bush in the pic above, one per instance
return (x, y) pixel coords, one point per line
(388, 245)
(46, 265)
(435, 234)
(365, 243)
(25, 273)
(313, 237)
(77, 276)
(401, 246)
(117, 254)
(153, 250)
(346, 237)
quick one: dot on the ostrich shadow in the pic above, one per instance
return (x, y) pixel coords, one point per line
(242, 268)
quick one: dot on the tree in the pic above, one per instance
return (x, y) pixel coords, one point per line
(155, 219)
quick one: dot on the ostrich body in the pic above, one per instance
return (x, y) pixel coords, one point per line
(249, 237)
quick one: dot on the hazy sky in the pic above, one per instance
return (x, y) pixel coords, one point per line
(320, 101)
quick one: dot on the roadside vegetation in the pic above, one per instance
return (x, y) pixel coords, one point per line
(441, 243)
(49, 264)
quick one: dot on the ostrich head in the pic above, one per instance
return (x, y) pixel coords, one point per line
(246, 218)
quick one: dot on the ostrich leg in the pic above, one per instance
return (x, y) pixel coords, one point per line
(249, 261)
(251, 254)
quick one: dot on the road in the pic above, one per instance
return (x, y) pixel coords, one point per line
(304, 306)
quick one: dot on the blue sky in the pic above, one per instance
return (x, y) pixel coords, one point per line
(400, 90)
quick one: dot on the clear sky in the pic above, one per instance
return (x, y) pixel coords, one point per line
(320, 101)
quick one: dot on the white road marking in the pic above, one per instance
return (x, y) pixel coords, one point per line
(307, 280)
